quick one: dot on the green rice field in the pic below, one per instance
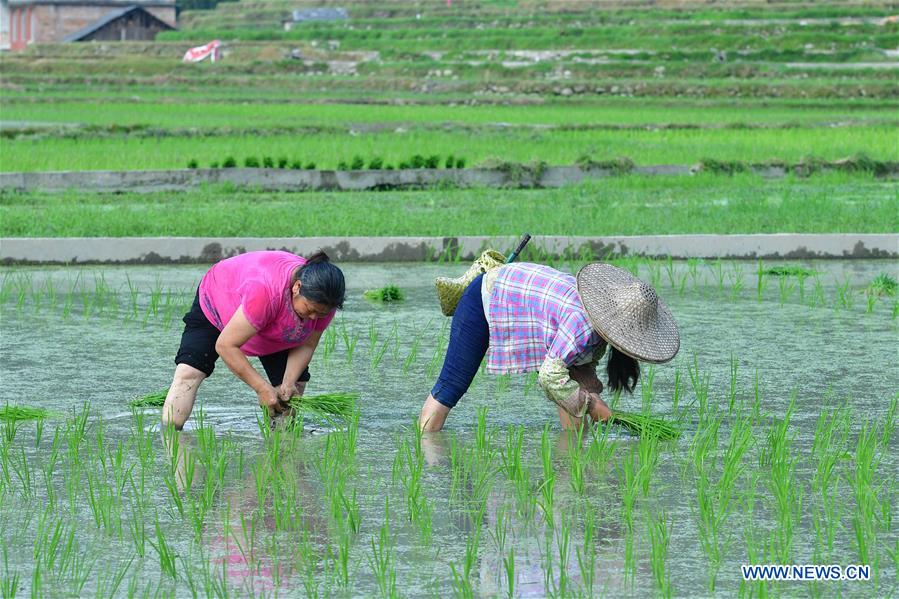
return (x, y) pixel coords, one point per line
(779, 446)
(627, 205)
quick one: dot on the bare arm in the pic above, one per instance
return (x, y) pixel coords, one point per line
(433, 415)
(297, 360)
(237, 332)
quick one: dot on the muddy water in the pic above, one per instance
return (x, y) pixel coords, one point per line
(824, 356)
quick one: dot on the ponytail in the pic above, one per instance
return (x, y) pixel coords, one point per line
(317, 257)
(321, 282)
(623, 371)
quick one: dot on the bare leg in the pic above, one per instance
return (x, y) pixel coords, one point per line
(180, 453)
(569, 422)
(433, 415)
(180, 400)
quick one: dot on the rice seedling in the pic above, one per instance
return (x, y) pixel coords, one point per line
(155, 399)
(786, 490)
(16, 413)
(660, 540)
(788, 270)
(381, 559)
(340, 560)
(785, 286)
(503, 381)
(81, 566)
(547, 485)
(349, 341)
(889, 422)
(461, 581)
(717, 268)
(864, 489)
(761, 281)
(416, 502)
(563, 543)
(9, 584)
(413, 354)
(829, 446)
(577, 460)
(378, 353)
(700, 386)
(732, 394)
(500, 531)
(325, 405)
(586, 553)
(647, 379)
(136, 528)
(439, 350)
(644, 425)
(648, 450)
(736, 281)
(104, 503)
(655, 272)
(882, 285)
(387, 294)
(509, 568)
(328, 342)
(844, 295)
(108, 584)
(165, 552)
(629, 492)
(870, 301)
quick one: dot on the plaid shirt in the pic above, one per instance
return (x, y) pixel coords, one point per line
(535, 313)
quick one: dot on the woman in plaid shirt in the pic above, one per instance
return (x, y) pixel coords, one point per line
(528, 317)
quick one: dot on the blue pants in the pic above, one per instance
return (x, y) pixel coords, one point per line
(469, 336)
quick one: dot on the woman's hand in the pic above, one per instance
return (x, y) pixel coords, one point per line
(269, 398)
(597, 408)
(285, 392)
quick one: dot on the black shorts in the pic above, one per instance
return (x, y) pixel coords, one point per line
(198, 347)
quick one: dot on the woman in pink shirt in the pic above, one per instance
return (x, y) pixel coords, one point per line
(273, 305)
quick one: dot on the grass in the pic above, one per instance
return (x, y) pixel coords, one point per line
(555, 147)
(631, 205)
(147, 114)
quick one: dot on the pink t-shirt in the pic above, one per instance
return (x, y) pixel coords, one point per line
(260, 282)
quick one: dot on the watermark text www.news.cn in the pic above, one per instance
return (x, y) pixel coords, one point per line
(802, 572)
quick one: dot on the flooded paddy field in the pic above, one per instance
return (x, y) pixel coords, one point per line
(785, 390)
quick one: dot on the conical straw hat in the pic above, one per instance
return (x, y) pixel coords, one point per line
(628, 313)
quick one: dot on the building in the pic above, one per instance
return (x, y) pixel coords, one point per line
(24, 22)
(314, 14)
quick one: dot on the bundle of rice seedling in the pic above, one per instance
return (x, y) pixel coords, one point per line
(390, 293)
(151, 400)
(16, 413)
(644, 425)
(883, 284)
(789, 270)
(328, 404)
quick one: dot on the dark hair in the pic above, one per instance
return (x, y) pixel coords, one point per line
(321, 282)
(623, 371)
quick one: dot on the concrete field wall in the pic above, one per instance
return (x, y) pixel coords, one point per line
(200, 250)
